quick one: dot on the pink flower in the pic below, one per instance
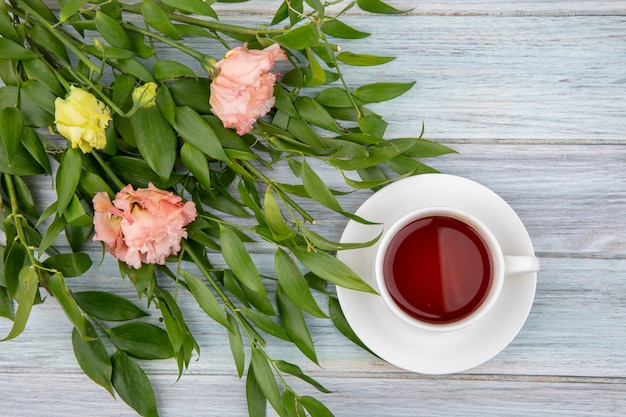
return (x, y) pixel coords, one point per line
(243, 90)
(145, 225)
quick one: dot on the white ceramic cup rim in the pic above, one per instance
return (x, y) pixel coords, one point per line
(497, 261)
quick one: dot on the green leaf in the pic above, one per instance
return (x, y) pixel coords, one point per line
(76, 215)
(313, 112)
(317, 6)
(143, 278)
(92, 357)
(196, 131)
(197, 164)
(11, 126)
(236, 344)
(112, 31)
(265, 323)
(334, 97)
(68, 176)
(316, 76)
(7, 28)
(193, 93)
(156, 140)
(156, 17)
(32, 143)
(378, 6)
(373, 125)
(137, 172)
(299, 38)
(315, 407)
(205, 298)
(377, 92)
(92, 183)
(292, 404)
(14, 258)
(193, 6)
(70, 8)
(317, 189)
(135, 68)
(6, 304)
(178, 332)
(327, 267)
(25, 200)
(69, 264)
(292, 281)
(257, 404)
(238, 259)
(41, 95)
(363, 60)
(122, 89)
(142, 340)
(44, 38)
(371, 184)
(281, 13)
(51, 233)
(165, 70)
(295, 370)
(27, 290)
(37, 69)
(340, 322)
(305, 133)
(387, 150)
(41, 8)
(10, 51)
(107, 306)
(274, 217)
(77, 235)
(339, 29)
(166, 104)
(266, 380)
(132, 385)
(424, 148)
(293, 321)
(56, 285)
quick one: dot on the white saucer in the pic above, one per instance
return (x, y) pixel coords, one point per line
(423, 351)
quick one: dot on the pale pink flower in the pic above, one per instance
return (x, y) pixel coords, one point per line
(243, 90)
(142, 226)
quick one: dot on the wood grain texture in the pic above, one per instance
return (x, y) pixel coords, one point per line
(533, 96)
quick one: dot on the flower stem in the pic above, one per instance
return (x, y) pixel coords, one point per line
(67, 42)
(283, 195)
(112, 176)
(17, 217)
(208, 24)
(250, 332)
(168, 41)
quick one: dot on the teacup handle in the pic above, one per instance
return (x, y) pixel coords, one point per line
(520, 264)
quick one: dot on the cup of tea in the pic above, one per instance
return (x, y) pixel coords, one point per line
(442, 269)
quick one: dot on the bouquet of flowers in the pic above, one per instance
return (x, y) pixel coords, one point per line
(163, 154)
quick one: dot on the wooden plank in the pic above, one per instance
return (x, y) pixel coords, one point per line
(482, 77)
(567, 195)
(531, 93)
(503, 77)
(574, 329)
(471, 7)
(198, 395)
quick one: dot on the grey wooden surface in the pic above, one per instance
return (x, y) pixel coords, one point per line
(533, 96)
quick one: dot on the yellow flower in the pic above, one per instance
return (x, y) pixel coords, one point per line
(145, 95)
(82, 118)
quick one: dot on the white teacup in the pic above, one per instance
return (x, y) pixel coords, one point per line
(442, 269)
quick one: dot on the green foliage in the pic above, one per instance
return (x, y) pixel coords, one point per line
(181, 146)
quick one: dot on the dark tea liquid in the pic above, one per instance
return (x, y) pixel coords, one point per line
(437, 269)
